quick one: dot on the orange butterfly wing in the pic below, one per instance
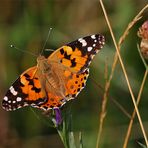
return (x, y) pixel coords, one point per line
(78, 54)
(26, 90)
(72, 88)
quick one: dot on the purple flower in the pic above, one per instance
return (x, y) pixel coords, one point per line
(58, 116)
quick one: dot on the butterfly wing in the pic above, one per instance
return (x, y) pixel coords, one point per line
(78, 54)
(73, 86)
(25, 91)
(72, 61)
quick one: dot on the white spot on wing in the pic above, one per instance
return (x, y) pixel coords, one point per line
(18, 99)
(13, 101)
(18, 107)
(89, 48)
(6, 98)
(13, 91)
(81, 40)
(25, 104)
(93, 37)
(100, 42)
(94, 45)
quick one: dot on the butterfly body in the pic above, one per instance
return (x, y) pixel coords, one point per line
(51, 76)
(56, 79)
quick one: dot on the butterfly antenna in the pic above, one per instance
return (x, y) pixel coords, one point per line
(49, 50)
(46, 40)
(12, 46)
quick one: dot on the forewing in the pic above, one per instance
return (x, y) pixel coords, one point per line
(78, 54)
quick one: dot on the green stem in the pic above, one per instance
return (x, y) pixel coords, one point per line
(143, 60)
(63, 138)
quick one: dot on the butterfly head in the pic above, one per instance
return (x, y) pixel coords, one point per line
(40, 58)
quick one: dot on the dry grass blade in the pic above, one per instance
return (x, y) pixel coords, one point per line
(121, 108)
(107, 86)
(134, 112)
(125, 73)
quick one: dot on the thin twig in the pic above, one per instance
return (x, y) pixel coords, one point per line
(125, 73)
(134, 112)
(122, 108)
(113, 100)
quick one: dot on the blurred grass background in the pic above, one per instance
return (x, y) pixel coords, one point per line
(25, 23)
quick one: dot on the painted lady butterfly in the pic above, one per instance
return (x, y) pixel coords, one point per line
(56, 79)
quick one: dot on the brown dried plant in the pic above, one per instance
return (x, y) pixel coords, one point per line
(117, 56)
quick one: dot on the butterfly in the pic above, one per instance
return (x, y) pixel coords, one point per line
(55, 79)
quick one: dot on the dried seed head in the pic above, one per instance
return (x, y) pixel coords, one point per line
(143, 34)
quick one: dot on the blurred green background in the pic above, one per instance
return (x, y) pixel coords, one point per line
(25, 24)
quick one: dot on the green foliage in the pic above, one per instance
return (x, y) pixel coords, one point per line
(25, 24)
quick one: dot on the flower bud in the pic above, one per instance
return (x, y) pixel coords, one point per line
(143, 34)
